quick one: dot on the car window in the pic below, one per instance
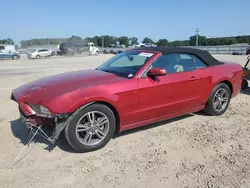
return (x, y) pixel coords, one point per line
(126, 64)
(4, 51)
(198, 63)
(124, 61)
(174, 63)
(42, 50)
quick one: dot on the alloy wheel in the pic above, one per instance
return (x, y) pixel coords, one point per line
(221, 99)
(92, 128)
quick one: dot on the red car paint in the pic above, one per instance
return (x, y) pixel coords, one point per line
(138, 101)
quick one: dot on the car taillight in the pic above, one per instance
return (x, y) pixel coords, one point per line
(26, 109)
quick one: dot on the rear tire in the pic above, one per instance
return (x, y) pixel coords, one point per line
(218, 100)
(244, 84)
(85, 135)
(14, 57)
(38, 57)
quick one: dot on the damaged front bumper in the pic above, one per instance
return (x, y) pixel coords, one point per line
(38, 125)
(37, 122)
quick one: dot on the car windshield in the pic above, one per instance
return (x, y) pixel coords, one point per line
(4, 51)
(126, 64)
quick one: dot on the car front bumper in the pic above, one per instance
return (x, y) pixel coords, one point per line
(38, 124)
(50, 129)
(55, 123)
(30, 56)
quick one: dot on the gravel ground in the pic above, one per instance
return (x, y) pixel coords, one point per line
(191, 151)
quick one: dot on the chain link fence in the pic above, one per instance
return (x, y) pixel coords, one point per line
(228, 49)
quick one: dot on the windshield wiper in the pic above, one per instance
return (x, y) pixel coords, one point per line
(108, 71)
(121, 74)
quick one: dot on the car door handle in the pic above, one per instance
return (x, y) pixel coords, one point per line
(193, 78)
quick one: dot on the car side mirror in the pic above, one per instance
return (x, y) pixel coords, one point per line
(156, 72)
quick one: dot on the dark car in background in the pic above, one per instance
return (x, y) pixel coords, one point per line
(236, 53)
(248, 51)
(5, 54)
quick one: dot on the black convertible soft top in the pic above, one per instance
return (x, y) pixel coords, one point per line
(202, 54)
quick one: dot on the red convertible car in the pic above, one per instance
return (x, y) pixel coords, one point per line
(132, 89)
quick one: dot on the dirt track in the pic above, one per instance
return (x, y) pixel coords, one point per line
(192, 151)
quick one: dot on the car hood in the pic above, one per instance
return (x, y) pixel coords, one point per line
(49, 87)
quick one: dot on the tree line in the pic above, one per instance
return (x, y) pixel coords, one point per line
(7, 41)
(107, 41)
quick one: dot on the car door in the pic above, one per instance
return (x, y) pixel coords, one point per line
(5, 54)
(204, 78)
(171, 93)
(40, 52)
(46, 52)
(1, 54)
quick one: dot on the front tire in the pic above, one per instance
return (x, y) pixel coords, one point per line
(91, 128)
(38, 57)
(219, 100)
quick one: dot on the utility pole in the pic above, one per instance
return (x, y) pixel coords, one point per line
(102, 43)
(197, 37)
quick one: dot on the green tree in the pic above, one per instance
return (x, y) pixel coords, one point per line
(7, 41)
(95, 40)
(104, 40)
(176, 43)
(76, 40)
(201, 40)
(42, 41)
(109, 40)
(124, 40)
(148, 40)
(133, 40)
(162, 42)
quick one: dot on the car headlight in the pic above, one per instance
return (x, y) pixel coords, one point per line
(44, 110)
(41, 110)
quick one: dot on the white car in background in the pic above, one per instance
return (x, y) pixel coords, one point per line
(37, 54)
(150, 45)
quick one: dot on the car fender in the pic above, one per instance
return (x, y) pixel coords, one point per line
(88, 101)
(218, 79)
(223, 79)
(70, 102)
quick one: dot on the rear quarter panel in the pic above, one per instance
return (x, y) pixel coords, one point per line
(212, 76)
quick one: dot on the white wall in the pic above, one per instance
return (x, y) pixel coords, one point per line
(9, 47)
